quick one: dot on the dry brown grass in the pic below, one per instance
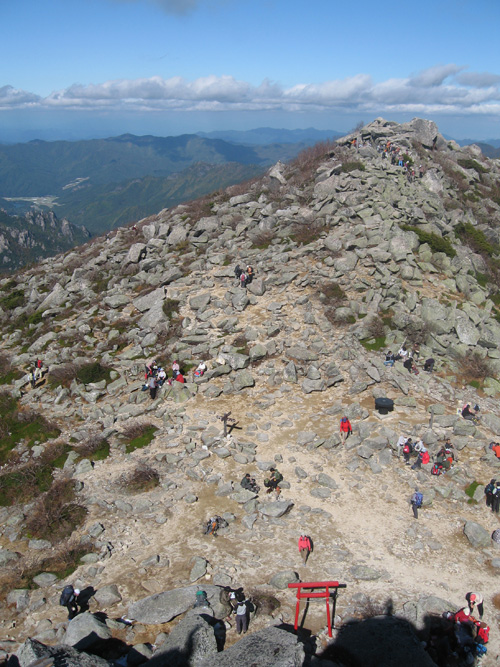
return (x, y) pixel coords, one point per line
(142, 479)
(307, 162)
(475, 367)
(56, 514)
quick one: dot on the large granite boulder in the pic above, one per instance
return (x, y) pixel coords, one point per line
(84, 630)
(162, 607)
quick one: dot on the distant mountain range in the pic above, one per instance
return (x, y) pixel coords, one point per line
(269, 135)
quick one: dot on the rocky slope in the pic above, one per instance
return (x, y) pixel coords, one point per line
(351, 257)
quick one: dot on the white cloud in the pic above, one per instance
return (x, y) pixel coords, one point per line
(478, 79)
(444, 88)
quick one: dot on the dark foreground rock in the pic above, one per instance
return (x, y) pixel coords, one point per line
(190, 642)
(272, 647)
(33, 650)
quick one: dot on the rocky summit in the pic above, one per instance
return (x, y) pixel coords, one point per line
(388, 238)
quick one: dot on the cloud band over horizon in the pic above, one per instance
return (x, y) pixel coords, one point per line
(439, 89)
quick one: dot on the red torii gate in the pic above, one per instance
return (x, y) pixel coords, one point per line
(327, 585)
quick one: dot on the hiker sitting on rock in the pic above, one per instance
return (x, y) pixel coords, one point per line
(199, 372)
(175, 369)
(423, 457)
(161, 376)
(468, 413)
(402, 353)
(389, 359)
(272, 484)
(249, 483)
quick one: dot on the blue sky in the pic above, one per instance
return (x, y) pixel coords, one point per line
(92, 68)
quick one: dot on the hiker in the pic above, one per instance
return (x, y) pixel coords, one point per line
(389, 359)
(180, 378)
(345, 429)
(401, 443)
(151, 367)
(175, 369)
(214, 524)
(305, 547)
(407, 450)
(488, 492)
(468, 413)
(242, 615)
(161, 377)
(249, 483)
(38, 369)
(250, 275)
(201, 600)
(475, 600)
(495, 503)
(423, 457)
(272, 483)
(429, 365)
(402, 353)
(69, 599)
(415, 351)
(495, 448)
(237, 272)
(416, 502)
(200, 370)
(152, 386)
(32, 377)
(243, 280)
(408, 364)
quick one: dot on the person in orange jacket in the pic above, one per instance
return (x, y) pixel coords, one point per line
(305, 547)
(345, 429)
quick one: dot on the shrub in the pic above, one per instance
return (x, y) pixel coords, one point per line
(307, 233)
(56, 514)
(170, 307)
(7, 373)
(13, 300)
(475, 239)
(307, 161)
(94, 372)
(352, 165)
(435, 242)
(472, 164)
(333, 294)
(142, 479)
(62, 375)
(263, 239)
(475, 367)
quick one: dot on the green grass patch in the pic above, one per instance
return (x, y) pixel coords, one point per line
(141, 439)
(470, 490)
(373, 344)
(90, 373)
(475, 383)
(17, 426)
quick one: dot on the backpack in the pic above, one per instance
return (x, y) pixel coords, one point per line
(488, 489)
(67, 595)
(419, 498)
(436, 469)
(278, 477)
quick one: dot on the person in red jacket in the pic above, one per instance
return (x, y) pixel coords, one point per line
(305, 547)
(345, 429)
